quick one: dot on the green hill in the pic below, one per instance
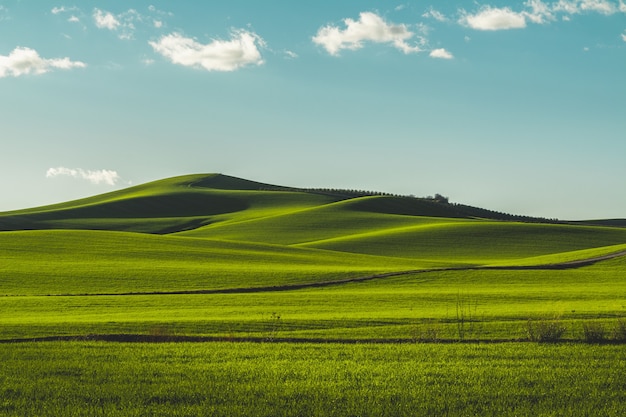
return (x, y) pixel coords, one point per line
(212, 231)
(211, 258)
(221, 256)
(192, 201)
(164, 206)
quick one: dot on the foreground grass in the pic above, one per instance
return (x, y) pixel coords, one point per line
(225, 379)
(479, 304)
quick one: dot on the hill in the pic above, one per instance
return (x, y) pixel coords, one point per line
(221, 207)
(227, 262)
(163, 206)
(193, 201)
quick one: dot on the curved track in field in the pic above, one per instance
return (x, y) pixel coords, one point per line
(290, 287)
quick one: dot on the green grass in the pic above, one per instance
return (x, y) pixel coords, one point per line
(479, 242)
(72, 275)
(316, 223)
(77, 262)
(98, 379)
(495, 305)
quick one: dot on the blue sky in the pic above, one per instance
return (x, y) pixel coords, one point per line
(513, 106)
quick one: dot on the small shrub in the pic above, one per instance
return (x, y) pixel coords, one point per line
(544, 330)
(594, 332)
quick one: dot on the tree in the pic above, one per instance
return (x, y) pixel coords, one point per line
(441, 199)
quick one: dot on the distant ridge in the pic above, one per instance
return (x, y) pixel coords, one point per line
(193, 201)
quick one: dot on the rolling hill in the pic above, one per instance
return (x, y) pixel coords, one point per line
(213, 231)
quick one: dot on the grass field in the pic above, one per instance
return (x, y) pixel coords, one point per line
(225, 379)
(217, 258)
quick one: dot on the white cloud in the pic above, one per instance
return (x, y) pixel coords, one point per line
(369, 27)
(432, 13)
(578, 6)
(539, 12)
(74, 16)
(400, 7)
(535, 11)
(441, 53)
(124, 24)
(600, 6)
(95, 177)
(63, 9)
(624, 37)
(567, 6)
(491, 18)
(291, 54)
(23, 61)
(219, 55)
(105, 20)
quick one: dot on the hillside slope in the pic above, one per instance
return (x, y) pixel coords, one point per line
(223, 208)
(164, 206)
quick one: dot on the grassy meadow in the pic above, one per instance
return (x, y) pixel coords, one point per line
(340, 303)
(283, 379)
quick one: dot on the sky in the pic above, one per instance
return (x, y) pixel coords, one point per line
(518, 107)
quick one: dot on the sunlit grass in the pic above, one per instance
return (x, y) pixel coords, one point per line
(76, 262)
(224, 379)
(493, 305)
(213, 232)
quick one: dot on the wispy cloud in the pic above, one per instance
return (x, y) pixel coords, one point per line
(23, 61)
(75, 14)
(102, 176)
(434, 14)
(535, 11)
(290, 54)
(3, 13)
(369, 28)
(600, 6)
(63, 9)
(624, 36)
(125, 24)
(538, 12)
(441, 53)
(218, 55)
